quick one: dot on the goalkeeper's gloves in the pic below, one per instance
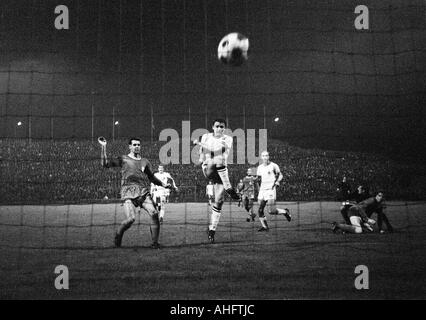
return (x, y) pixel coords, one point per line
(371, 221)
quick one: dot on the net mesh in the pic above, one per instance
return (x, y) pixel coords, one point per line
(134, 68)
(138, 64)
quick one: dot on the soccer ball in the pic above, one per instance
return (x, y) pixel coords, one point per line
(233, 48)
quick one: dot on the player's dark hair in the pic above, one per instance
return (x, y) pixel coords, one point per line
(220, 121)
(133, 139)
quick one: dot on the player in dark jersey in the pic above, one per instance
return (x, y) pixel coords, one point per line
(136, 176)
(359, 195)
(247, 188)
(359, 215)
(378, 207)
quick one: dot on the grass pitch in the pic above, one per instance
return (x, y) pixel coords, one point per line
(301, 259)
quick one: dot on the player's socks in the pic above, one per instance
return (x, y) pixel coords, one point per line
(285, 213)
(117, 240)
(263, 222)
(126, 224)
(214, 218)
(223, 174)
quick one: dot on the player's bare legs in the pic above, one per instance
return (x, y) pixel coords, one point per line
(251, 212)
(224, 177)
(272, 209)
(354, 227)
(262, 218)
(130, 212)
(154, 227)
(216, 211)
(248, 205)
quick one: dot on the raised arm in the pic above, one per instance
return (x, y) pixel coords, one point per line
(105, 162)
(200, 151)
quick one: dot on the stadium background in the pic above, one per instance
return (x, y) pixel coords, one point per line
(350, 103)
(153, 63)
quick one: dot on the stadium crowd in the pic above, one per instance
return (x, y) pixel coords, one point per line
(71, 172)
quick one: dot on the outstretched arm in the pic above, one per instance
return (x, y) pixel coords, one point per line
(104, 159)
(363, 215)
(173, 182)
(278, 176)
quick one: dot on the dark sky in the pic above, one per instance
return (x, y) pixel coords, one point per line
(331, 85)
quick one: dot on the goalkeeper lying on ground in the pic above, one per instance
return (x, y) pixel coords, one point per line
(359, 216)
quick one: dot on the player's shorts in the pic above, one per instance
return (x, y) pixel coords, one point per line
(267, 195)
(356, 221)
(159, 199)
(134, 192)
(210, 172)
(249, 196)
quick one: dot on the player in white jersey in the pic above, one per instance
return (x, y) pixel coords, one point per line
(161, 194)
(270, 176)
(214, 153)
